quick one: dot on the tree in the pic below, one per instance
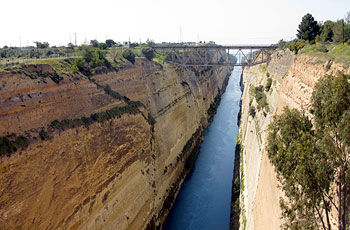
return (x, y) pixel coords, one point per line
(281, 44)
(296, 45)
(327, 31)
(102, 46)
(148, 52)
(87, 53)
(94, 43)
(308, 28)
(70, 46)
(42, 45)
(49, 53)
(338, 31)
(331, 108)
(114, 53)
(150, 42)
(110, 43)
(311, 161)
(129, 55)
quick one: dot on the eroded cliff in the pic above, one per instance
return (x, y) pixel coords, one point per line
(108, 151)
(292, 82)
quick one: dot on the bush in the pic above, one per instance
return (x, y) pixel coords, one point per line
(102, 46)
(43, 134)
(252, 111)
(322, 49)
(268, 84)
(129, 55)
(94, 43)
(148, 52)
(297, 45)
(110, 42)
(75, 68)
(10, 144)
(260, 97)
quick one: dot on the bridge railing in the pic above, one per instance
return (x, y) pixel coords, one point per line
(199, 55)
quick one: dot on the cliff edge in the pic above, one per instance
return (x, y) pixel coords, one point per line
(287, 80)
(108, 150)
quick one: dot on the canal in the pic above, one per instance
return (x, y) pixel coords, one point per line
(205, 197)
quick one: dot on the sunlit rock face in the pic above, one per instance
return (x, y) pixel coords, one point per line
(293, 81)
(120, 172)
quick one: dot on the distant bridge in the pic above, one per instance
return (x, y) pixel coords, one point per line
(213, 55)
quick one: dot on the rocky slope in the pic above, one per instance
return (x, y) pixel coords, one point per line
(293, 80)
(105, 152)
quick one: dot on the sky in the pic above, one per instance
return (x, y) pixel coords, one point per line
(222, 21)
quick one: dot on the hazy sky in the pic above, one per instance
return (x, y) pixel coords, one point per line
(222, 21)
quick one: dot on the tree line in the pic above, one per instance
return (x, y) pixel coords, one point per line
(312, 158)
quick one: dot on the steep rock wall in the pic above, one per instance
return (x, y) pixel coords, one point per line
(120, 173)
(293, 78)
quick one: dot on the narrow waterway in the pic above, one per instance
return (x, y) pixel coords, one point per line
(205, 197)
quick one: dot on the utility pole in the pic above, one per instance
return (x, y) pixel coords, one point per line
(180, 34)
(75, 35)
(343, 31)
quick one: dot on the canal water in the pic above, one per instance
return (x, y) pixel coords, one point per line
(205, 197)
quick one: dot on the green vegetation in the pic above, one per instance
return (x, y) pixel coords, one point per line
(110, 43)
(335, 52)
(148, 52)
(151, 120)
(42, 45)
(268, 84)
(96, 117)
(102, 46)
(129, 55)
(91, 58)
(311, 160)
(11, 143)
(330, 39)
(34, 74)
(260, 97)
(308, 28)
(296, 45)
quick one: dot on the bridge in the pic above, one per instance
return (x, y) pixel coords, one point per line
(216, 55)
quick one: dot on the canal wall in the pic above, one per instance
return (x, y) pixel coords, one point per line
(105, 151)
(293, 78)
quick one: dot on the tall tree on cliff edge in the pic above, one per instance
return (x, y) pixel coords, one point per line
(308, 28)
(312, 160)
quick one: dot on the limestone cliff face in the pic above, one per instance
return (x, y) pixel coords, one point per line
(293, 81)
(117, 173)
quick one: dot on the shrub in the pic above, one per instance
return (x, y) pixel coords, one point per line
(252, 111)
(102, 46)
(322, 49)
(94, 43)
(10, 144)
(260, 97)
(110, 42)
(151, 120)
(268, 84)
(148, 52)
(297, 45)
(129, 55)
(75, 68)
(42, 134)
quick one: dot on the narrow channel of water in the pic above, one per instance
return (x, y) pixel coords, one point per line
(205, 197)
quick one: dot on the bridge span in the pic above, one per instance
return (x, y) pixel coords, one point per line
(216, 55)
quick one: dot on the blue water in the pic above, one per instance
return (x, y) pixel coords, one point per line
(205, 197)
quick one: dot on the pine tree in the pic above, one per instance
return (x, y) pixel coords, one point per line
(308, 28)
